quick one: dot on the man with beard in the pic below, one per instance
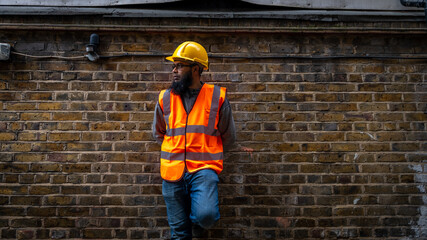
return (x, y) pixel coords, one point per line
(192, 122)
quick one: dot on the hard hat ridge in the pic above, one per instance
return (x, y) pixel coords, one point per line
(190, 51)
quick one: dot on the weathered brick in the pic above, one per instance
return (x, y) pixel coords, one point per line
(107, 126)
(388, 97)
(81, 147)
(7, 136)
(17, 147)
(249, 68)
(64, 136)
(371, 87)
(129, 106)
(31, 136)
(90, 136)
(43, 190)
(59, 200)
(331, 157)
(21, 106)
(268, 137)
(84, 106)
(131, 87)
(67, 116)
(300, 136)
(379, 211)
(330, 117)
(76, 168)
(45, 168)
(38, 96)
(317, 212)
(285, 147)
(48, 147)
(58, 86)
(290, 117)
(345, 147)
(315, 147)
(140, 136)
(35, 116)
(18, 190)
(314, 168)
(250, 107)
(59, 222)
(81, 126)
(65, 126)
(343, 107)
(25, 200)
(376, 147)
(22, 85)
(118, 116)
(330, 136)
(268, 97)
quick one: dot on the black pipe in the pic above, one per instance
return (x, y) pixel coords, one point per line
(318, 57)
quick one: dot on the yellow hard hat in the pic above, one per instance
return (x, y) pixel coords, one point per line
(190, 51)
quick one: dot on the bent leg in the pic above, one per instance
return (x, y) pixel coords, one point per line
(204, 198)
(178, 209)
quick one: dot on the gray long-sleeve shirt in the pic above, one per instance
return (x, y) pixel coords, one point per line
(225, 124)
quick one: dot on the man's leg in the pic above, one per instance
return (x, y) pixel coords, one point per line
(203, 188)
(178, 209)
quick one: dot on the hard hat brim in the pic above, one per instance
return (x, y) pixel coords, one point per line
(170, 58)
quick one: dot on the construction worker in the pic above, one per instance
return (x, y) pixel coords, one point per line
(192, 122)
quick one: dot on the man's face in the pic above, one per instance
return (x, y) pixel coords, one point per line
(182, 77)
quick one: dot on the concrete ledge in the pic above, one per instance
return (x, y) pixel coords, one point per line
(316, 15)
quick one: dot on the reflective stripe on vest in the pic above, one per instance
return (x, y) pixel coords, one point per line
(191, 156)
(191, 140)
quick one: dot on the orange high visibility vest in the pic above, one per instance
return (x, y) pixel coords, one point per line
(192, 140)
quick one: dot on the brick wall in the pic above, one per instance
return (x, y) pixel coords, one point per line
(339, 144)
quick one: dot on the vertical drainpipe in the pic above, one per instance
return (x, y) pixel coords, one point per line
(416, 3)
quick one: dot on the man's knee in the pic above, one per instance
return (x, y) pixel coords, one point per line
(207, 218)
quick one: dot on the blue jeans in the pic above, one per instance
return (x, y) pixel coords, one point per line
(193, 199)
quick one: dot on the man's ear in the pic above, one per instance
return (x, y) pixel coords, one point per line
(196, 70)
(199, 69)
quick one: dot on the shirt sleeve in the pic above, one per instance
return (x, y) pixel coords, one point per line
(159, 125)
(226, 125)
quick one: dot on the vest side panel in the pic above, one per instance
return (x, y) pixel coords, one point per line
(204, 151)
(172, 160)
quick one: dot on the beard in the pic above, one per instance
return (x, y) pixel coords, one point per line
(181, 86)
